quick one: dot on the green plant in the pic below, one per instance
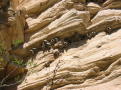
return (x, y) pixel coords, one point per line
(2, 50)
(18, 62)
(16, 43)
(32, 64)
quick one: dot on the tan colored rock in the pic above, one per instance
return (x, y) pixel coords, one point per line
(33, 7)
(82, 70)
(93, 8)
(68, 18)
(71, 22)
(101, 15)
(48, 16)
(80, 7)
(108, 2)
(112, 22)
(71, 15)
(112, 4)
(39, 6)
(15, 3)
(79, 1)
(92, 62)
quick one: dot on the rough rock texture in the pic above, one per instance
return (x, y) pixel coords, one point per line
(112, 4)
(105, 14)
(88, 56)
(93, 8)
(90, 64)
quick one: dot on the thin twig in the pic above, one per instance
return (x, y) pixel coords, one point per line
(54, 74)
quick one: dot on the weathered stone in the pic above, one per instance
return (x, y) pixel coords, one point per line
(112, 4)
(48, 16)
(91, 59)
(37, 7)
(80, 7)
(101, 15)
(93, 8)
(69, 18)
(71, 22)
(112, 22)
(108, 2)
(75, 72)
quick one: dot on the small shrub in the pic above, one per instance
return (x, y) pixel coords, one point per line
(17, 61)
(16, 43)
(2, 50)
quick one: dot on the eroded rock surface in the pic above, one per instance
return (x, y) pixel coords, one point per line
(67, 44)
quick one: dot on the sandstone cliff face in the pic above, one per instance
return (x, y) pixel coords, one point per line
(86, 53)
